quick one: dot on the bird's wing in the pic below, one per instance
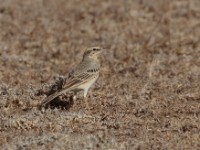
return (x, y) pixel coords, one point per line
(71, 83)
(76, 79)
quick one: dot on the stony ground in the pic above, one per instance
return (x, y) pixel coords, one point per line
(147, 96)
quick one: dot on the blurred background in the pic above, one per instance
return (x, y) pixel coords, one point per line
(147, 96)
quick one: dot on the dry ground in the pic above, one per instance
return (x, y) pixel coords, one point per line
(147, 96)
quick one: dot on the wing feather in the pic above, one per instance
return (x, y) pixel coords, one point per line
(71, 83)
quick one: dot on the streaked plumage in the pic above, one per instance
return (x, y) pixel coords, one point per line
(82, 77)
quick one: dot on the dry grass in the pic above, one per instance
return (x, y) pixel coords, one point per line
(147, 96)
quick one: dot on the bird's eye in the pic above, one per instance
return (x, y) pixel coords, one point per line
(94, 49)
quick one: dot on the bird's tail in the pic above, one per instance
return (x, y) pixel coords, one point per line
(54, 95)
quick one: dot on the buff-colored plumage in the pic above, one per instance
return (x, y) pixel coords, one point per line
(82, 77)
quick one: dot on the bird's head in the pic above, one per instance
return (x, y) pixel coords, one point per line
(92, 52)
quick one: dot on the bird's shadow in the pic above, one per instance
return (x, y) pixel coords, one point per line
(58, 103)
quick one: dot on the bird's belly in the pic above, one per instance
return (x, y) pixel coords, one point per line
(87, 84)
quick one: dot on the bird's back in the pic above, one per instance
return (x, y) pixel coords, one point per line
(84, 67)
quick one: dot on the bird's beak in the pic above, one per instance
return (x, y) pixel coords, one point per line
(99, 52)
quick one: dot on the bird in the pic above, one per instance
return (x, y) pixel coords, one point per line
(82, 77)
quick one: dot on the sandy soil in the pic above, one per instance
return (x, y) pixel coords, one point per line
(147, 96)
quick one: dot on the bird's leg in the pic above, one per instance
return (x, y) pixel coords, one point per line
(74, 96)
(85, 93)
(86, 99)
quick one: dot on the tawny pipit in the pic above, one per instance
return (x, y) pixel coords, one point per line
(82, 77)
